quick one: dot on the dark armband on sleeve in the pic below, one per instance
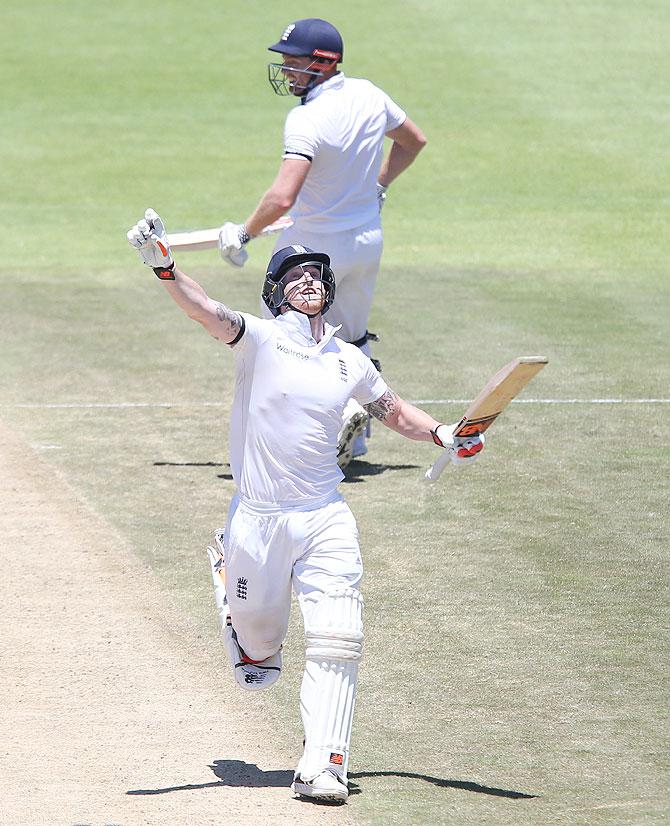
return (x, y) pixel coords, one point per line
(293, 153)
(243, 326)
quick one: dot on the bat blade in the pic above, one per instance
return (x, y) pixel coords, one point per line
(206, 239)
(494, 397)
(497, 393)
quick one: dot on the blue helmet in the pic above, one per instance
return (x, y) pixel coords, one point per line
(283, 261)
(311, 37)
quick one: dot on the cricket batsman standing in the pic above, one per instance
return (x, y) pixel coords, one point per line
(288, 526)
(332, 180)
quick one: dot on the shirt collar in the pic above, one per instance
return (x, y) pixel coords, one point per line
(334, 82)
(296, 326)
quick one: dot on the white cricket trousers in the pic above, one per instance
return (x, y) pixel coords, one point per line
(315, 553)
(355, 256)
(270, 552)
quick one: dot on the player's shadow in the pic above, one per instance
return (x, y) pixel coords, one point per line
(227, 476)
(191, 464)
(440, 782)
(232, 773)
(238, 774)
(357, 471)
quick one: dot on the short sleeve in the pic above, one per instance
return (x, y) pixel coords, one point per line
(371, 385)
(395, 116)
(301, 138)
(255, 331)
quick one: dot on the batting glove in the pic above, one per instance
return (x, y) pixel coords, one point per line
(381, 195)
(149, 238)
(463, 450)
(232, 238)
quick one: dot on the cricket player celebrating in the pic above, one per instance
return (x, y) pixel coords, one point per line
(288, 526)
(332, 180)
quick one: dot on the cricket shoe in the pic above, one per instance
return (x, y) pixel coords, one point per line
(326, 786)
(352, 432)
(251, 675)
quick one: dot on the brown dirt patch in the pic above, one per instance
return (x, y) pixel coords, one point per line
(109, 714)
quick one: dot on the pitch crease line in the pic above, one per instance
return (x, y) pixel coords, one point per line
(550, 401)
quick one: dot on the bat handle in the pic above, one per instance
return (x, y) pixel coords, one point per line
(435, 470)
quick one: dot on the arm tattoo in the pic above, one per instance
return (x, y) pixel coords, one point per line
(384, 407)
(230, 318)
(227, 316)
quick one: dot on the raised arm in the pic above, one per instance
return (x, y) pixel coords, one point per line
(149, 238)
(414, 423)
(219, 321)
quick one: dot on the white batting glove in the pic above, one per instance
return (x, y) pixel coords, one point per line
(232, 238)
(381, 195)
(149, 238)
(466, 450)
(463, 450)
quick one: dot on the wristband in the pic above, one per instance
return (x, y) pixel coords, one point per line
(165, 273)
(243, 235)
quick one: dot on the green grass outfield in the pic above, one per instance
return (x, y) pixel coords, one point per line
(516, 665)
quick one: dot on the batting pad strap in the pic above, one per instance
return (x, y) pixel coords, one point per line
(334, 630)
(365, 338)
(320, 647)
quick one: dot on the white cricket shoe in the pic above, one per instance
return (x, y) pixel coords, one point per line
(252, 675)
(351, 434)
(325, 786)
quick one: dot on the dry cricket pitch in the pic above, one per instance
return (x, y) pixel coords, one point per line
(109, 714)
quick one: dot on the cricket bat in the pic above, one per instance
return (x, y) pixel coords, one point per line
(205, 239)
(496, 394)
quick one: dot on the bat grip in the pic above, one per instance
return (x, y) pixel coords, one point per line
(435, 470)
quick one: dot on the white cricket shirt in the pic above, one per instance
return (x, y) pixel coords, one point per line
(340, 128)
(290, 393)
